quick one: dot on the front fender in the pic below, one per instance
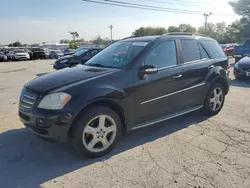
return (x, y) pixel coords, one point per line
(102, 93)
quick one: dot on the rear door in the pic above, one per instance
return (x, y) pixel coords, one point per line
(196, 66)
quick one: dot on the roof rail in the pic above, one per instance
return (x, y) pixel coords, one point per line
(181, 33)
(186, 33)
(128, 37)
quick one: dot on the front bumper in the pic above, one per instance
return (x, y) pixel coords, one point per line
(47, 124)
(22, 58)
(240, 72)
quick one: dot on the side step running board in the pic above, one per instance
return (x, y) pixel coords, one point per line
(164, 118)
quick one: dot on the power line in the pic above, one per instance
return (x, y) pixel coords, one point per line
(146, 7)
(149, 6)
(177, 2)
(187, 2)
(137, 7)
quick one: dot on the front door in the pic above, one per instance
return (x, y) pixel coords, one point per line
(157, 94)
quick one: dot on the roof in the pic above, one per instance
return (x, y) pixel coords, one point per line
(168, 35)
(142, 39)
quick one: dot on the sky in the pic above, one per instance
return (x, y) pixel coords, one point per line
(36, 21)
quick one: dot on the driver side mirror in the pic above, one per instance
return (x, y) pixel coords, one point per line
(147, 69)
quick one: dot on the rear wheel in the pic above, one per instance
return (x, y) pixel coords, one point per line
(214, 100)
(97, 132)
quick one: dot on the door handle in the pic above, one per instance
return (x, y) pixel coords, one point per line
(210, 67)
(177, 76)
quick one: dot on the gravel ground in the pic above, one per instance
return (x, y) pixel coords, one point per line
(189, 151)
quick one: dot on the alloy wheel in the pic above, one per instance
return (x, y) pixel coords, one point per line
(99, 133)
(216, 99)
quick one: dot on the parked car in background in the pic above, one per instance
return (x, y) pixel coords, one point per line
(39, 53)
(160, 78)
(47, 53)
(20, 54)
(242, 68)
(9, 54)
(29, 51)
(229, 49)
(68, 52)
(79, 57)
(3, 57)
(55, 54)
(242, 50)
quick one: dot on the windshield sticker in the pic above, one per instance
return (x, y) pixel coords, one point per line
(140, 44)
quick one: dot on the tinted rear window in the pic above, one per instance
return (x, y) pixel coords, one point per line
(213, 48)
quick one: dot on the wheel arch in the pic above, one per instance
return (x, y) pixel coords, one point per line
(106, 103)
(221, 80)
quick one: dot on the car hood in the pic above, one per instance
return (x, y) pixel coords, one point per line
(245, 61)
(65, 77)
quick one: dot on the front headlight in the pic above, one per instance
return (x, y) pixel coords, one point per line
(54, 101)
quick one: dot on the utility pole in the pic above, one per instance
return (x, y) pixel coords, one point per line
(111, 34)
(206, 15)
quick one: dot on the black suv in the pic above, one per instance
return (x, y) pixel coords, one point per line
(131, 84)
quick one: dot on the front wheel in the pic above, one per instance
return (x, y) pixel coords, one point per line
(97, 132)
(214, 100)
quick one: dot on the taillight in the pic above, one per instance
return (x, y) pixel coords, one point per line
(228, 67)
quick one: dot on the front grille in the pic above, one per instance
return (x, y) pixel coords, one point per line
(27, 99)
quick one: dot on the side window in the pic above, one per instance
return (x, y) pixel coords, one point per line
(163, 55)
(213, 48)
(190, 50)
(204, 54)
(94, 52)
(86, 55)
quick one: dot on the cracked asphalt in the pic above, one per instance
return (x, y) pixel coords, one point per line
(190, 151)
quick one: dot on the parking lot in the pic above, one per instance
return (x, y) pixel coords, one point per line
(190, 151)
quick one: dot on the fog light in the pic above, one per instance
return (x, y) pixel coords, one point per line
(65, 118)
(39, 122)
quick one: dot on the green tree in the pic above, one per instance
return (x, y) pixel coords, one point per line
(147, 31)
(15, 44)
(62, 41)
(241, 27)
(74, 35)
(173, 29)
(74, 44)
(241, 7)
(187, 28)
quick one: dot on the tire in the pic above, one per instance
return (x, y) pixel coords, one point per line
(208, 108)
(81, 141)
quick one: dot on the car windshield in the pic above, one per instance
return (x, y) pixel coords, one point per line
(80, 52)
(117, 55)
(247, 43)
(20, 51)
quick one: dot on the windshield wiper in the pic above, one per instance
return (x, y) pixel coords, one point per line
(101, 65)
(95, 65)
